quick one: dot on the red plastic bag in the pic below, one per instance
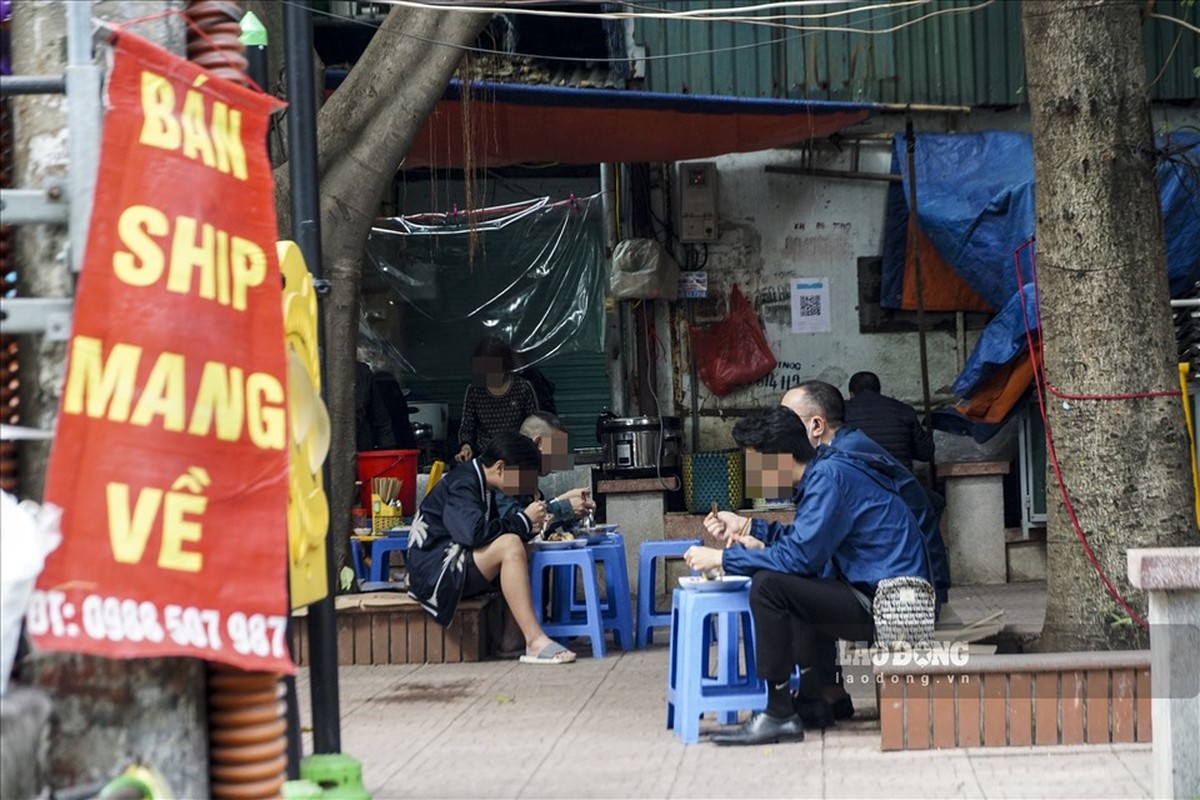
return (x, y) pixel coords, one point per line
(734, 352)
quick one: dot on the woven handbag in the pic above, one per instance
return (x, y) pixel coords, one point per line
(904, 611)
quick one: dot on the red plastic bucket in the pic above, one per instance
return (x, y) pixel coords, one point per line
(400, 464)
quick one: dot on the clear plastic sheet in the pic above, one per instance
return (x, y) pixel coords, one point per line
(537, 280)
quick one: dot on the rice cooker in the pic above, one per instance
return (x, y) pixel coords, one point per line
(640, 445)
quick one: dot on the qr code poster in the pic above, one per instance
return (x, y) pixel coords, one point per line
(810, 305)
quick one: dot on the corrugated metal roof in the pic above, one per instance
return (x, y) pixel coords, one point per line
(961, 57)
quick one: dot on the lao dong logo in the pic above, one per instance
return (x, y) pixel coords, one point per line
(902, 654)
(923, 654)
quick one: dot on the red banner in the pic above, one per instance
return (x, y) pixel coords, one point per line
(171, 455)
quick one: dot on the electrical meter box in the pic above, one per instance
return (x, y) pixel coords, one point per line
(698, 202)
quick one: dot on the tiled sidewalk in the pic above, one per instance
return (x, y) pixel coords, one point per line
(597, 729)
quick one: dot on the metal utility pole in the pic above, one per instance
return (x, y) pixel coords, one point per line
(306, 231)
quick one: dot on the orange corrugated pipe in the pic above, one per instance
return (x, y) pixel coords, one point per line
(212, 40)
(247, 757)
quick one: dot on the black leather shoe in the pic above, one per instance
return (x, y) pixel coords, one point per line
(763, 729)
(820, 713)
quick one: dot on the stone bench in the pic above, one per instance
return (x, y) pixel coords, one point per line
(1014, 700)
(1171, 576)
(392, 628)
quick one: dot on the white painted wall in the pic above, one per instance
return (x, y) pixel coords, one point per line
(775, 228)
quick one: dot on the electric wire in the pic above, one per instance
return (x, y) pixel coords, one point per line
(809, 30)
(416, 4)
(1176, 20)
(650, 12)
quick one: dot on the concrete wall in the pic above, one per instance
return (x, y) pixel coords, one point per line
(776, 227)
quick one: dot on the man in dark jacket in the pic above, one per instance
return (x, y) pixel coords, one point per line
(396, 405)
(893, 425)
(372, 424)
(813, 580)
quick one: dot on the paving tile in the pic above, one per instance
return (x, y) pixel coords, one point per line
(927, 773)
(1078, 772)
(597, 728)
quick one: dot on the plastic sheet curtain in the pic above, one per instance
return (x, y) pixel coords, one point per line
(536, 280)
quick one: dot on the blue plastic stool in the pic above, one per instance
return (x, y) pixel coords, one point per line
(380, 550)
(590, 622)
(692, 689)
(356, 555)
(649, 617)
(616, 607)
(365, 584)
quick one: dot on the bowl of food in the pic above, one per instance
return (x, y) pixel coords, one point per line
(560, 540)
(596, 534)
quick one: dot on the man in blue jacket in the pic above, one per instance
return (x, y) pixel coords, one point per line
(813, 580)
(822, 410)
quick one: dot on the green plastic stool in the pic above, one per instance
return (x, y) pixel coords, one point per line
(338, 775)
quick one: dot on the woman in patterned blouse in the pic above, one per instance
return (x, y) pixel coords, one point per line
(497, 400)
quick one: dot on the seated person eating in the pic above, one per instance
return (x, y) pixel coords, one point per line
(462, 545)
(813, 580)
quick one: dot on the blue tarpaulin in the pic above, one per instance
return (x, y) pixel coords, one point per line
(1001, 342)
(975, 200)
(975, 203)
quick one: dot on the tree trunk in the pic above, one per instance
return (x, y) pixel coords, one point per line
(107, 713)
(363, 133)
(1105, 314)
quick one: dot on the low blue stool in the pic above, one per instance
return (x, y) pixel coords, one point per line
(649, 617)
(365, 584)
(590, 621)
(616, 607)
(381, 550)
(356, 556)
(692, 688)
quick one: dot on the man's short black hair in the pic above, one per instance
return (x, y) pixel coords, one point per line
(775, 430)
(514, 450)
(828, 400)
(864, 382)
